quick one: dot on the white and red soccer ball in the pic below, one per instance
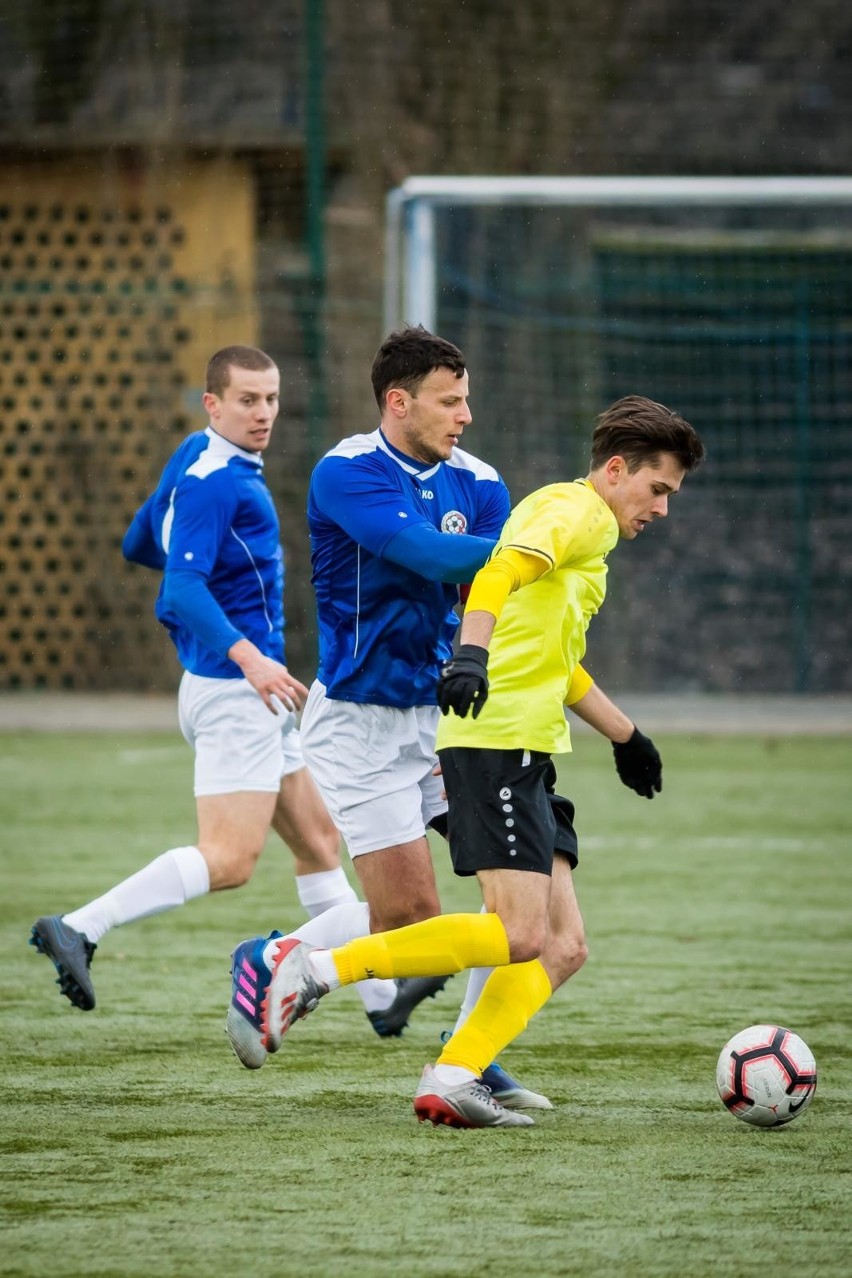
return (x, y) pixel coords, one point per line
(766, 1075)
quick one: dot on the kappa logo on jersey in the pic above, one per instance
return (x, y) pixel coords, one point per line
(454, 522)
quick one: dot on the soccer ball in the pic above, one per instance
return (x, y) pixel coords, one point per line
(766, 1075)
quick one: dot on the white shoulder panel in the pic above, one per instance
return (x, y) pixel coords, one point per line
(355, 445)
(467, 461)
(207, 463)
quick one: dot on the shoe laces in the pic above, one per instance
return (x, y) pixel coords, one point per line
(482, 1092)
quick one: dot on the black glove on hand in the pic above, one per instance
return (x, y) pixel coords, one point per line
(639, 765)
(463, 682)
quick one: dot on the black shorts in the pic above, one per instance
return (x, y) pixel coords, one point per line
(504, 811)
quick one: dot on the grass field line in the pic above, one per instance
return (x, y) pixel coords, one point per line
(783, 714)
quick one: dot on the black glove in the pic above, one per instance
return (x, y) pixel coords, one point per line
(463, 682)
(639, 765)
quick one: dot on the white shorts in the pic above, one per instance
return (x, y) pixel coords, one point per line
(373, 766)
(239, 745)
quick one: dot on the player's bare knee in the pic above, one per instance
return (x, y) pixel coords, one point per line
(567, 955)
(577, 955)
(229, 869)
(525, 943)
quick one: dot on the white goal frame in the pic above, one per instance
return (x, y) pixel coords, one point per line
(410, 275)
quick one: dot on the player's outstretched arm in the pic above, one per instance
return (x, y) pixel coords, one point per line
(268, 677)
(637, 759)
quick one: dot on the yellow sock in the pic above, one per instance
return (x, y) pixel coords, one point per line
(510, 998)
(448, 943)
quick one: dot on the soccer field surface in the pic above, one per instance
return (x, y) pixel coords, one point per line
(135, 1144)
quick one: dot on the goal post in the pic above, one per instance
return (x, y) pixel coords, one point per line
(729, 299)
(412, 207)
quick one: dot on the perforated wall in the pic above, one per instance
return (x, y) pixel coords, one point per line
(114, 290)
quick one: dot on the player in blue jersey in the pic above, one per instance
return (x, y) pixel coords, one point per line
(211, 528)
(399, 518)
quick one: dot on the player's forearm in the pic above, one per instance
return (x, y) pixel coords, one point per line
(254, 664)
(273, 682)
(596, 709)
(477, 628)
(244, 654)
(438, 556)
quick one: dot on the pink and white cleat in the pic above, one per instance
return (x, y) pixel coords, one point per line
(293, 991)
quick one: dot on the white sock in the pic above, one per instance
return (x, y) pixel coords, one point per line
(339, 923)
(322, 891)
(170, 880)
(324, 970)
(475, 982)
(335, 927)
(453, 1075)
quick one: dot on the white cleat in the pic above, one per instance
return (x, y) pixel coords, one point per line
(465, 1105)
(293, 990)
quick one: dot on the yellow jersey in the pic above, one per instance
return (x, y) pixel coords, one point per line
(540, 635)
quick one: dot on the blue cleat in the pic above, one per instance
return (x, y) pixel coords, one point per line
(250, 982)
(71, 954)
(509, 1093)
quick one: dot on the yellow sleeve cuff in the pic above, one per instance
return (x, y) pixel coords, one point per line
(495, 581)
(580, 683)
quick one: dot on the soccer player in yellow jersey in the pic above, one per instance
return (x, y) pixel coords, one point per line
(504, 695)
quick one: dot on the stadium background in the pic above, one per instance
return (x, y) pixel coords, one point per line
(175, 177)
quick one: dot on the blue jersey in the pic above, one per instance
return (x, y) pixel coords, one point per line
(389, 536)
(212, 527)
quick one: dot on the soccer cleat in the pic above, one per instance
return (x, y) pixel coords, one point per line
(410, 990)
(71, 954)
(509, 1093)
(250, 980)
(293, 991)
(465, 1105)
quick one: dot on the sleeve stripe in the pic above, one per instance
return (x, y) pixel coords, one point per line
(530, 550)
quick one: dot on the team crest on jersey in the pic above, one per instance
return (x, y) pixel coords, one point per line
(454, 522)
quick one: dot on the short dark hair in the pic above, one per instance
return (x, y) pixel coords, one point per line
(639, 429)
(406, 358)
(220, 364)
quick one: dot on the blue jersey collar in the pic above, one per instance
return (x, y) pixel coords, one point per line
(223, 447)
(407, 463)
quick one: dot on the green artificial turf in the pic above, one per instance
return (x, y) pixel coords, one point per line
(133, 1143)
